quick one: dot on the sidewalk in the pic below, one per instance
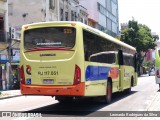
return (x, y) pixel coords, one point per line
(155, 104)
(9, 94)
(153, 108)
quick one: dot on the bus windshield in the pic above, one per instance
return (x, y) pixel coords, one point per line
(49, 37)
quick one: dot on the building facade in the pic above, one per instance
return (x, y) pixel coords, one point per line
(3, 43)
(103, 15)
(22, 12)
(44, 10)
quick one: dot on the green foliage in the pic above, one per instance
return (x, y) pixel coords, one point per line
(155, 37)
(140, 37)
(149, 64)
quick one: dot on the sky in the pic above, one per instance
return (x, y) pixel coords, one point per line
(143, 11)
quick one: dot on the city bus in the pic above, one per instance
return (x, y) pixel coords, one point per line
(157, 66)
(71, 60)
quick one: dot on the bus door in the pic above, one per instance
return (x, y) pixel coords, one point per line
(121, 69)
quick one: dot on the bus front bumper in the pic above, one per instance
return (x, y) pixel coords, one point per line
(73, 90)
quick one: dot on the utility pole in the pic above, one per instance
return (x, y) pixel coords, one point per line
(9, 58)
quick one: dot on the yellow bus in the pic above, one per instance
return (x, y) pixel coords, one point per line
(71, 60)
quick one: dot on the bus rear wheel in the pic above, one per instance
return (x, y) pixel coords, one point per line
(108, 96)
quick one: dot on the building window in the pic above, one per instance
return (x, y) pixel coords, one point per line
(115, 1)
(61, 14)
(98, 7)
(81, 19)
(105, 12)
(2, 33)
(114, 9)
(114, 27)
(108, 5)
(101, 28)
(10, 9)
(72, 16)
(66, 16)
(109, 24)
(1, 23)
(75, 16)
(51, 4)
(85, 21)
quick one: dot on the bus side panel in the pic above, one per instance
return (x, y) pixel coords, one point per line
(96, 77)
(93, 85)
(128, 74)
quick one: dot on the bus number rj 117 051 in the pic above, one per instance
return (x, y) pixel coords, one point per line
(47, 72)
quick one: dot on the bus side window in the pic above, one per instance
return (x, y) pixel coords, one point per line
(126, 60)
(93, 59)
(109, 58)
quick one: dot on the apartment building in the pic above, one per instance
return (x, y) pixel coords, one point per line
(22, 12)
(44, 10)
(3, 42)
(103, 15)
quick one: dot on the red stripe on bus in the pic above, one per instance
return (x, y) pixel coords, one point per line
(44, 49)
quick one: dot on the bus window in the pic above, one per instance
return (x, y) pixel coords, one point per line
(128, 60)
(103, 58)
(49, 37)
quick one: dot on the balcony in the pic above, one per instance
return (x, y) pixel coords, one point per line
(2, 36)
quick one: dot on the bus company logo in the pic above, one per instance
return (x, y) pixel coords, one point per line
(28, 69)
(41, 55)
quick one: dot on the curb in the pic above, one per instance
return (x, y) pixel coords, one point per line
(1, 98)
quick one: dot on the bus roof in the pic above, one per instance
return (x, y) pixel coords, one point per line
(109, 52)
(96, 31)
(89, 28)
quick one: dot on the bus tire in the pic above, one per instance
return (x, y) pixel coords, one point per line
(108, 96)
(128, 90)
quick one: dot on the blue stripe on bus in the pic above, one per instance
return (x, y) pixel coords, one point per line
(97, 73)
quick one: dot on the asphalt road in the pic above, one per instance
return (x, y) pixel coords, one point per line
(139, 100)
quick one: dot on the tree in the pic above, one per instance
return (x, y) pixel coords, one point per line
(140, 37)
(155, 37)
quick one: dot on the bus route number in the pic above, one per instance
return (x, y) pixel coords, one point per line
(47, 72)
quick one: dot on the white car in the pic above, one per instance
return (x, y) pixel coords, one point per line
(152, 72)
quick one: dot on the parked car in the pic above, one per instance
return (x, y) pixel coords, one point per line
(151, 72)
